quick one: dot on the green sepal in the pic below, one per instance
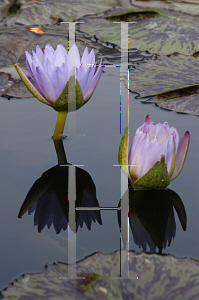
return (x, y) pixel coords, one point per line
(156, 178)
(123, 152)
(72, 87)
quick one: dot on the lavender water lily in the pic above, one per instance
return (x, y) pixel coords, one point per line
(156, 156)
(53, 71)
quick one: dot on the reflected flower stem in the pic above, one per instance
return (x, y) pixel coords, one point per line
(61, 156)
(59, 128)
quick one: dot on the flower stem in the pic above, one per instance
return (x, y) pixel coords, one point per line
(61, 119)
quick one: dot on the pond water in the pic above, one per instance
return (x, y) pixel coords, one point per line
(27, 151)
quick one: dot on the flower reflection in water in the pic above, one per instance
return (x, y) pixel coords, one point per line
(151, 217)
(48, 197)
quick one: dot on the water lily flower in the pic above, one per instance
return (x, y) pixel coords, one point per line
(156, 156)
(53, 71)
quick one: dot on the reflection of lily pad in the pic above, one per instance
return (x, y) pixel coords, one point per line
(48, 12)
(157, 35)
(151, 277)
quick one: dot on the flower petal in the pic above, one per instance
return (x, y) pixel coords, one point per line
(181, 154)
(59, 81)
(85, 57)
(90, 87)
(175, 134)
(171, 160)
(48, 69)
(85, 80)
(162, 134)
(154, 153)
(60, 56)
(46, 85)
(40, 54)
(29, 63)
(74, 60)
(139, 156)
(48, 55)
(148, 119)
(135, 147)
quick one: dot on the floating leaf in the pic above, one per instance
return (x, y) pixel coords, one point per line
(188, 6)
(4, 81)
(156, 34)
(49, 12)
(163, 74)
(173, 79)
(184, 100)
(98, 277)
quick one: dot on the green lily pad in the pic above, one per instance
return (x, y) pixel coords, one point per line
(4, 8)
(4, 81)
(184, 100)
(173, 79)
(163, 74)
(188, 6)
(49, 12)
(156, 34)
(151, 276)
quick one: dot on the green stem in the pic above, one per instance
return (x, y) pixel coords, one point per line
(61, 119)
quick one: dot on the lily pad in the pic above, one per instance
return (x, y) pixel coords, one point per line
(163, 74)
(4, 83)
(188, 6)
(173, 79)
(158, 34)
(151, 277)
(49, 12)
(185, 100)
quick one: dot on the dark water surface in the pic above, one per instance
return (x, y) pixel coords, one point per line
(27, 151)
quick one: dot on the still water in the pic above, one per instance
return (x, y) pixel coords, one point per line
(27, 151)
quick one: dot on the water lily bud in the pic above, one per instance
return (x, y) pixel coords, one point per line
(53, 71)
(156, 156)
